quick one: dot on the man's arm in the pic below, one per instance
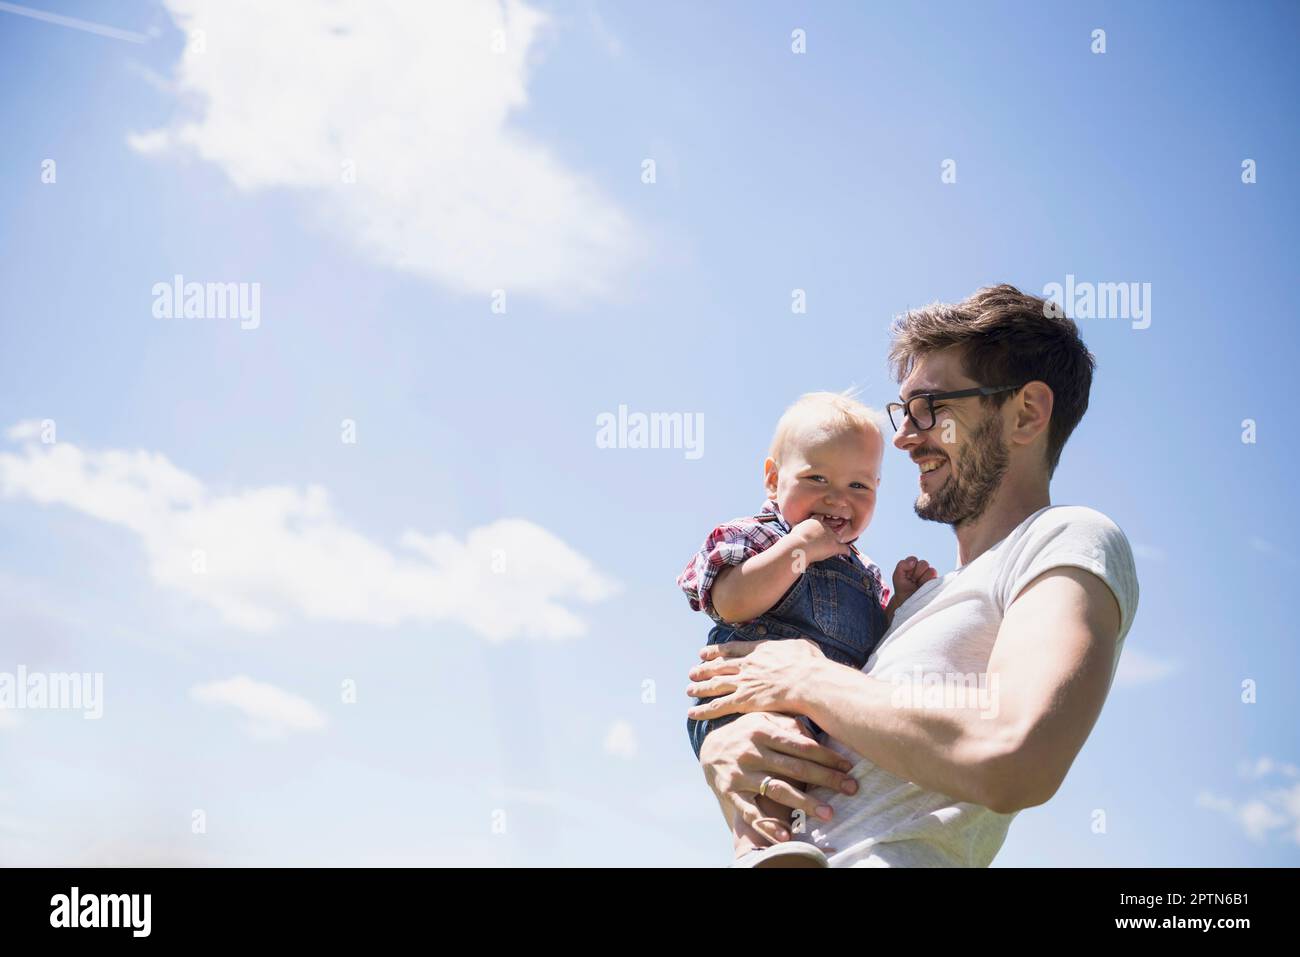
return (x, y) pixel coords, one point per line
(1052, 664)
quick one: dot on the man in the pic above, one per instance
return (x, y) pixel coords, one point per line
(1036, 610)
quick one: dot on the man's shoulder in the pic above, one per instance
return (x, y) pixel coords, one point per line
(1070, 529)
(1079, 518)
(1078, 536)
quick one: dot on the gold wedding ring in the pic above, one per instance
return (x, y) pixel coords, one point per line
(762, 788)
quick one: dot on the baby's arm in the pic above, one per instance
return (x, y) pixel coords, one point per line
(745, 591)
(909, 575)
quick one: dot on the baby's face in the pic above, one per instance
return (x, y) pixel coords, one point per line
(832, 478)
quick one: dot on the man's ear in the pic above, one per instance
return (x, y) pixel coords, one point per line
(770, 475)
(1033, 412)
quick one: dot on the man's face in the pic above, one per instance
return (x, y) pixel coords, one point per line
(963, 457)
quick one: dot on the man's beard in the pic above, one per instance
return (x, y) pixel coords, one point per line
(970, 486)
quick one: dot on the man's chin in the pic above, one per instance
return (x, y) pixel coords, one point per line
(931, 509)
(925, 507)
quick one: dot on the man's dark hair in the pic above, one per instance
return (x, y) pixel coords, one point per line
(1006, 337)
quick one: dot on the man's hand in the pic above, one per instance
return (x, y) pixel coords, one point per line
(737, 757)
(817, 541)
(743, 676)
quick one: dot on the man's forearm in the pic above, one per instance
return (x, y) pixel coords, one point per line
(956, 751)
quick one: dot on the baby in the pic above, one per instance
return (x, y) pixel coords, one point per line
(792, 570)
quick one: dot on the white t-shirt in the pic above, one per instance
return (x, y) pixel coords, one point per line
(948, 628)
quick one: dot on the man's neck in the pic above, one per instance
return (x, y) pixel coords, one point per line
(1013, 502)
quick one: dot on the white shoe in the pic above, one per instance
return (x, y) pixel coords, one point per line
(786, 854)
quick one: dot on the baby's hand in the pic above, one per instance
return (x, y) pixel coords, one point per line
(909, 575)
(817, 541)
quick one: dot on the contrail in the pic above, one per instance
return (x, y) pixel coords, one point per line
(73, 22)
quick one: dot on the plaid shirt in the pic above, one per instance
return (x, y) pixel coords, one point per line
(741, 539)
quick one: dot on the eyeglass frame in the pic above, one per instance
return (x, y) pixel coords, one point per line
(932, 397)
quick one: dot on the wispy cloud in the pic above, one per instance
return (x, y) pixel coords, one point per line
(1149, 552)
(1265, 766)
(1272, 814)
(620, 741)
(1137, 667)
(86, 26)
(1265, 547)
(271, 712)
(397, 118)
(612, 44)
(265, 554)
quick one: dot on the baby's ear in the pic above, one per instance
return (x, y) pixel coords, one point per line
(771, 472)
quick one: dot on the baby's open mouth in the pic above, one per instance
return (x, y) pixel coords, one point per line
(835, 523)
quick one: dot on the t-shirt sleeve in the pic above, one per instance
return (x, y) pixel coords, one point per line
(729, 544)
(1075, 537)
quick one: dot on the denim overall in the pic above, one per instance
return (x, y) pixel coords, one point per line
(834, 603)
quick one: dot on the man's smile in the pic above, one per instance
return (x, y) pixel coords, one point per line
(933, 470)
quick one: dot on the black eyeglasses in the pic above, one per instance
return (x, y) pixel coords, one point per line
(923, 415)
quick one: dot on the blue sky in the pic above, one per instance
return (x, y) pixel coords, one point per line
(499, 588)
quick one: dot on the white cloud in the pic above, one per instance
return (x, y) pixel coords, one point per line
(1272, 813)
(417, 97)
(1149, 552)
(1136, 667)
(261, 555)
(620, 741)
(1264, 766)
(271, 712)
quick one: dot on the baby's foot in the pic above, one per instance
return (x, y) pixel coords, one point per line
(794, 854)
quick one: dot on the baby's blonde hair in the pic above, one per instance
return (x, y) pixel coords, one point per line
(830, 413)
